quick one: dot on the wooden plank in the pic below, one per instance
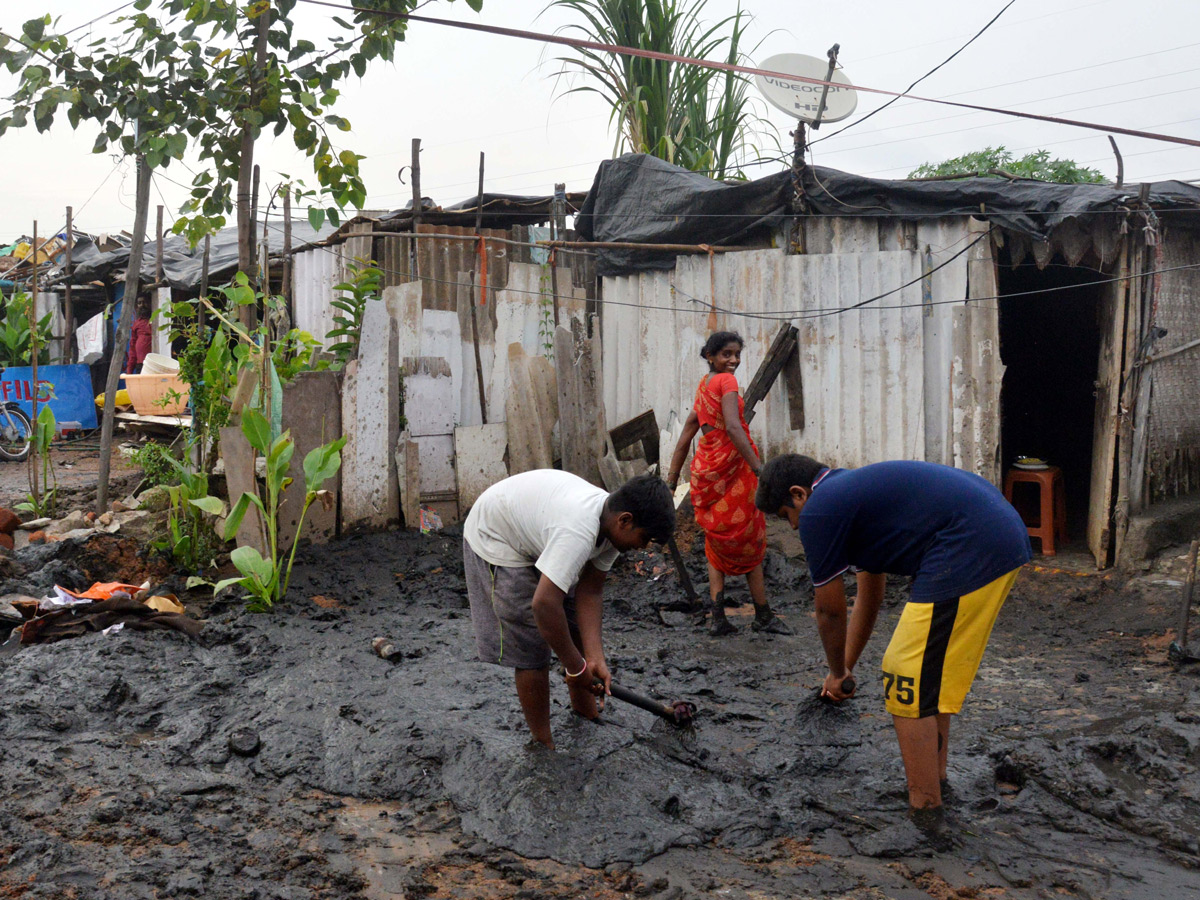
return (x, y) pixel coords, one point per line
(479, 452)
(173, 421)
(531, 409)
(408, 465)
(240, 479)
(370, 493)
(793, 379)
(312, 413)
(1107, 419)
(784, 345)
(350, 450)
(582, 426)
(643, 430)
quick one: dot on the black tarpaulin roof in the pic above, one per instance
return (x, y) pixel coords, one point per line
(642, 199)
(182, 265)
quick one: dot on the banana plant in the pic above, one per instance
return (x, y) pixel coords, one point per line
(266, 579)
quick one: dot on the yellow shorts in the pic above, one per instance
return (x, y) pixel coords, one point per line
(936, 648)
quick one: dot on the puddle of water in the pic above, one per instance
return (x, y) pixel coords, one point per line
(142, 738)
(385, 849)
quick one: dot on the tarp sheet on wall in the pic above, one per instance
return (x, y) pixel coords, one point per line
(642, 199)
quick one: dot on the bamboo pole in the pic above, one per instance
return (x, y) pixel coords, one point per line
(70, 355)
(33, 377)
(480, 261)
(414, 263)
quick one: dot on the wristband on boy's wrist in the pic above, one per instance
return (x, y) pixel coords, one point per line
(571, 674)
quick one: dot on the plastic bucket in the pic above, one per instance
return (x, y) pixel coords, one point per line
(157, 364)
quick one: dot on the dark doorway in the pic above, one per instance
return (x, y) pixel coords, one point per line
(1050, 346)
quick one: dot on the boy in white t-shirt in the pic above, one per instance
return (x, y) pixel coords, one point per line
(536, 549)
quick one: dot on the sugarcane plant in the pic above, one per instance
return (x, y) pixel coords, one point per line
(266, 579)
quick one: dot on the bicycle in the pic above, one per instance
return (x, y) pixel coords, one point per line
(16, 433)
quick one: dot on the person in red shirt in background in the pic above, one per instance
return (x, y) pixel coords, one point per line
(139, 338)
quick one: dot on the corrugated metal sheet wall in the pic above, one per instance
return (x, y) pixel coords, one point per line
(316, 271)
(877, 381)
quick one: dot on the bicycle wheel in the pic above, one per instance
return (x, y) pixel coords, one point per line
(16, 433)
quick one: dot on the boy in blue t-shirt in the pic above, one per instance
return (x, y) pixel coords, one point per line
(963, 544)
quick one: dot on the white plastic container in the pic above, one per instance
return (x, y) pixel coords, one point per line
(157, 364)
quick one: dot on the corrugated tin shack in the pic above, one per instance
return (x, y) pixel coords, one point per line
(964, 322)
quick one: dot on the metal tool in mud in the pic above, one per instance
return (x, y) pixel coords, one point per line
(680, 713)
(1178, 652)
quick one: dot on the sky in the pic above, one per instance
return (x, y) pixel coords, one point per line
(463, 93)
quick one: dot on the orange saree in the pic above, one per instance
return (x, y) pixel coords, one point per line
(723, 485)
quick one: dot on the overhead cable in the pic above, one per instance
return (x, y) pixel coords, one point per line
(746, 70)
(880, 109)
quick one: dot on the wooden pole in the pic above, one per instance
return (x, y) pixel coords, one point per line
(558, 221)
(799, 204)
(121, 339)
(246, 152)
(33, 377)
(246, 315)
(69, 352)
(287, 252)
(158, 249)
(264, 268)
(414, 265)
(482, 288)
(204, 278)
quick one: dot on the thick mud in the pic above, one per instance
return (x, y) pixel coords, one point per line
(279, 757)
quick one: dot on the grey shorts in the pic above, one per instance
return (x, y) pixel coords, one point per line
(502, 613)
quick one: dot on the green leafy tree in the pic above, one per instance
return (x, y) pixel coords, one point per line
(691, 116)
(212, 76)
(998, 162)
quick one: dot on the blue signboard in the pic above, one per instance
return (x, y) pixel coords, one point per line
(67, 390)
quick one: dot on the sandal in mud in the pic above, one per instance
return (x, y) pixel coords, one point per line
(771, 625)
(721, 627)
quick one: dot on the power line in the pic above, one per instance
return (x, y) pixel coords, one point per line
(744, 70)
(1046, 75)
(919, 137)
(791, 315)
(919, 80)
(1091, 90)
(1039, 146)
(1012, 23)
(788, 315)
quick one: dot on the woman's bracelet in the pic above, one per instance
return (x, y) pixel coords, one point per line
(571, 674)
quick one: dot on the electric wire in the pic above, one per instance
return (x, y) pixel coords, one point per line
(880, 109)
(703, 307)
(744, 70)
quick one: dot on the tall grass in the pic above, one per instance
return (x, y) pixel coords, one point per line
(695, 117)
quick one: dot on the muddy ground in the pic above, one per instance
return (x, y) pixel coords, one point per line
(125, 775)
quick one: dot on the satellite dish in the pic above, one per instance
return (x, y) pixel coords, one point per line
(802, 99)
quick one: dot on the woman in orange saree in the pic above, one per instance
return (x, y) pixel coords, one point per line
(724, 478)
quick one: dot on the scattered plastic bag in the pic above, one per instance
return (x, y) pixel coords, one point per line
(430, 520)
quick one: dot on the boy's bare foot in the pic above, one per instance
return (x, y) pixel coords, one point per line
(771, 624)
(721, 627)
(931, 822)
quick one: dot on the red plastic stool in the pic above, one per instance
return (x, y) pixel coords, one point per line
(1052, 503)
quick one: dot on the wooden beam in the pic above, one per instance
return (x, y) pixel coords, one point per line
(794, 380)
(784, 345)
(642, 429)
